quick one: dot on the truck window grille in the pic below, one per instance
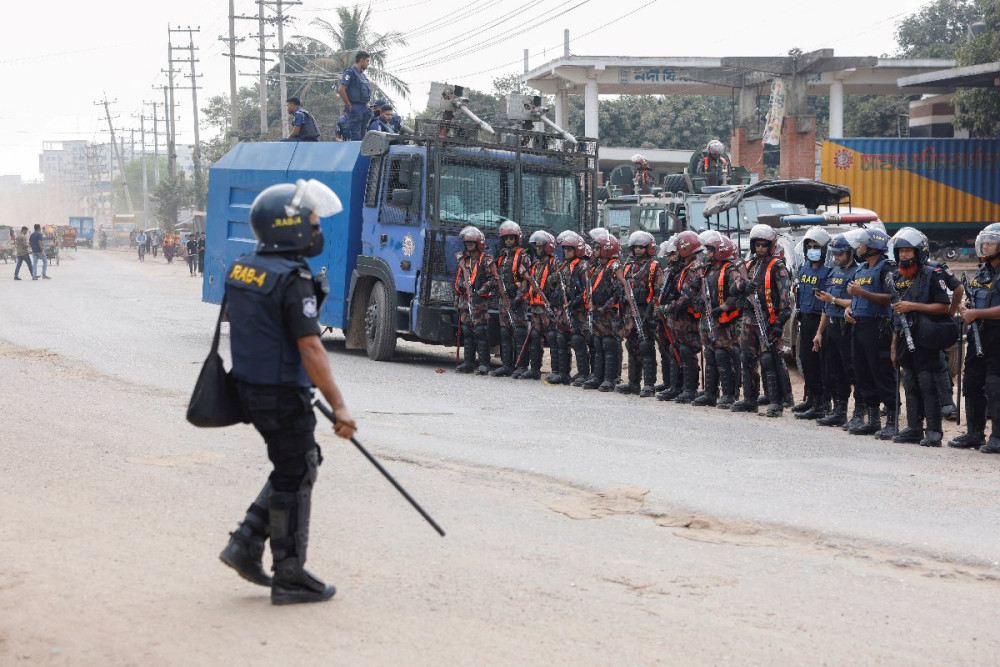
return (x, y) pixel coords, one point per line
(404, 173)
(371, 186)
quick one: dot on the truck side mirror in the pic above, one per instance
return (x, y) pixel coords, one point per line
(401, 198)
(405, 173)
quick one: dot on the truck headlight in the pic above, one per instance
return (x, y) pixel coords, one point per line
(442, 290)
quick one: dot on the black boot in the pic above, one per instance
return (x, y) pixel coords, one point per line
(933, 439)
(872, 425)
(991, 447)
(482, 351)
(818, 410)
(837, 417)
(770, 370)
(289, 514)
(727, 381)
(597, 367)
(785, 382)
(690, 364)
(911, 435)
(534, 371)
(245, 551)
(647, 352)
(521, 353)
(858, 418)
(711, 394)
(749, 401)
(968, 441)
(888, 432)
(565, 358)
(468, 364)
(556, 341)
(506, 354)
(582, 353)
(804, 405)
(675, 387)
(634, 371)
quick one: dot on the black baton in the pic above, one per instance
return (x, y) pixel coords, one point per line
(328, 413)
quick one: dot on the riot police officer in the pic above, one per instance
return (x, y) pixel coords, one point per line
(919, 291)
(273, 303)
(834, 333)
(605, 367)
(544, 296)
(641, 275)
(812, 280)
(670, 358)
(511, 261)
(683, 314)
(473, 287)
(871, 340)
(765, 288)
(982, 374)
(575, 275)
(721, 343)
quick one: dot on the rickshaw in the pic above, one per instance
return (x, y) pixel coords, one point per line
(68, 237)
(6, 243)
(50, 243)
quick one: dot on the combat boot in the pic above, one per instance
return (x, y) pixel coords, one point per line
(583, 362)
(607, 385)
(911, 435)
(506, 355)
(745, 405)
(968, 441)
(557, 345)
(889, 431)
(772, 386)
(245, 551)
(837, 417)
(468, 364)
(858, 418)
(596, 370)
(482, 351)
(690, 363)
(749, 403)
(817, 410)
(933, 439)
(289, 521)
(706, 399)
(991, 447)
(872, 425)
(804, 405)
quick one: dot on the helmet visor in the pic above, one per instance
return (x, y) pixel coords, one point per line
(316, 197)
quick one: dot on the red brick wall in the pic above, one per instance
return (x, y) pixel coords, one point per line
(746, 153)
(798, 149)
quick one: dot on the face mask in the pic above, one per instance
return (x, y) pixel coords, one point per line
(315, 246)
(814, 254)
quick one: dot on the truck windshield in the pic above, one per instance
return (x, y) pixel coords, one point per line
(549, 201)
(476, 194)
(755, 207)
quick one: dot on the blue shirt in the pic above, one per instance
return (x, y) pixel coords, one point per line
(359, 89)
(303, 120)
(36, 241)
(379, 126)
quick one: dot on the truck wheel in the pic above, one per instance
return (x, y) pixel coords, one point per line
(674, 183)
(380, 331)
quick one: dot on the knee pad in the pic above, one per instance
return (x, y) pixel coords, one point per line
(686, 353)
(551, 338)
(578, 340)
(767, 362)
(647, 347)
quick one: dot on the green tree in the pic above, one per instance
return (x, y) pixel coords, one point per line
(937, 30)
(171, 195)
(352, 32)
(978, 109)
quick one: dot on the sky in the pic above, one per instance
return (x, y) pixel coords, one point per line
(60, 57)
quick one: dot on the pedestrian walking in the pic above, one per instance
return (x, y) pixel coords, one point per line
(36, 240)
(22, 250)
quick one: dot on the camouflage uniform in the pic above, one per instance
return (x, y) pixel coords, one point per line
(474, 268)
(666, 341)
(643, 276)
(510, 263)
(606, 361)
(575, 276)
(684, 312)
(721, 347)
(768, 279)
(546, 312)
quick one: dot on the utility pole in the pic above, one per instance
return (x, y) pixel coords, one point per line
(168, 109)
(118, 154)
(263, 74)
(279, 6)
(156, 148)
(145, 178)
(196, 149)
(234, 137)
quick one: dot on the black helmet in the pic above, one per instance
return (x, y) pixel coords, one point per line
(908, 237)
(279, 216)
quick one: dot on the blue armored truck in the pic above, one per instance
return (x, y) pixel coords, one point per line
(84, 226)
(391, 254)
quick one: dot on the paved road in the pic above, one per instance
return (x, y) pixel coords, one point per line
(792, 533)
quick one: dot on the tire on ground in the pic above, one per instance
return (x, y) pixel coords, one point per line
(380, 324)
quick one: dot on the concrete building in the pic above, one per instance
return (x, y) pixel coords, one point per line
(815, 73)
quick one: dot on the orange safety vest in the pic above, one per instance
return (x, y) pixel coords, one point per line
(515, 263)
(472, 277)
(769, 300)
(726, 316)
(680, 285)
(536, 299)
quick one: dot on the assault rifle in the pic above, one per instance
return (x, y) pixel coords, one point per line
(503, 294)
(977, 340)
(765, 343)
(620, 275)
(896, 297)
(663, 319)
(534, 284)
(590, 302)
(468, 285)
(707, 300)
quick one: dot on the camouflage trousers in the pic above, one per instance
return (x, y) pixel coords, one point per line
(480, 313)
(755, 363)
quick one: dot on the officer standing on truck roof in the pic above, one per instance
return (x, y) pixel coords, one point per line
(355, 90)
(303, 124)
(273, 302)
(982, 374)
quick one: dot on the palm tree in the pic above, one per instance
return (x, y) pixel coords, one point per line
(351, 34)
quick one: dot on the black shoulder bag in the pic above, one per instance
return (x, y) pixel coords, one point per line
(214, 401)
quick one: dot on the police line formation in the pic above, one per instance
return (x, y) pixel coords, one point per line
(874, 314)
